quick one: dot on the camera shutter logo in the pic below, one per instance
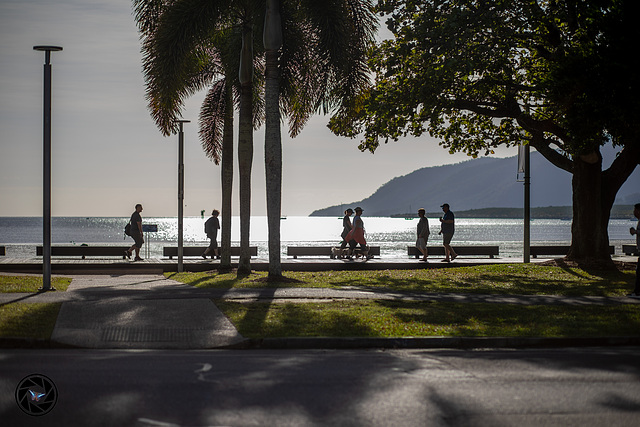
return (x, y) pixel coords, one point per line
(36, 395)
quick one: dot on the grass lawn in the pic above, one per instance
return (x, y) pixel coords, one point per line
(519, 279)
(420, 319)
(33, 320)
(30, 283)
(410, 318)
(29, 320)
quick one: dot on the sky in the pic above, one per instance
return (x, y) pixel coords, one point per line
(108, 155)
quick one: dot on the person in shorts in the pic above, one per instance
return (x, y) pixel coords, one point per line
(423, 234)
(447, 223)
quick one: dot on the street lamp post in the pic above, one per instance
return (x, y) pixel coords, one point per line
(181, 196)
(524, 167)
(46, 187)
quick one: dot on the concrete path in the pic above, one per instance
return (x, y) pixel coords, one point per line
(122, 322)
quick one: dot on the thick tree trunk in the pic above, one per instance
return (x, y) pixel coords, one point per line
(245, 162)
(245, 148)
(273, 161)
(272, 39)
(227, 181)
(589, 229)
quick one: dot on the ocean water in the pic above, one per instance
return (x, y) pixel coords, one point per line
(21, 234)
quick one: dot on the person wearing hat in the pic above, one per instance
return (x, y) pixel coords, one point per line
(447, 228)
(356, 235)
(346, 227)
(423, 234)
(211, 227)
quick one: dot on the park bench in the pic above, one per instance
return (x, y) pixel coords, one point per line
(490, 251)
(296, 251)
(630, 249)
(85, 251)
(172, 251)
(2, 251)
(556, 250)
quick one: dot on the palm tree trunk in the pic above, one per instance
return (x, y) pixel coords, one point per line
(227, 180)
(272, 39)
(245, 147)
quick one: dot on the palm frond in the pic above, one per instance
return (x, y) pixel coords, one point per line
(177, 56)
(211, 121)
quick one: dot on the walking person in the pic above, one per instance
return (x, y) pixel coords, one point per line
(636, 231)
(346, 228)
(211, 227)
(447, 223)
(136, 233)
(423, 234)
(356, 235)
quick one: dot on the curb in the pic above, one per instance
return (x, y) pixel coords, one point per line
(33, 343)
(360, 343)
(436, 342)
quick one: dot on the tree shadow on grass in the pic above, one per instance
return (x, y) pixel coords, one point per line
(465, 319)
(269, 320)
(609, 284)
(35, 320)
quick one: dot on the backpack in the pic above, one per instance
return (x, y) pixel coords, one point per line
(127, 229)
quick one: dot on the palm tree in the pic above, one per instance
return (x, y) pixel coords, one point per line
(315, 57)
(186, 44)
(216, 122)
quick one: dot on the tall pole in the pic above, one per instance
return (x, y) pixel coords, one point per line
(181, 196)
(46, 173)
(527, 204)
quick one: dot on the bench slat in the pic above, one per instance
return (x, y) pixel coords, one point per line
(172, 251)
(84, 251)
(557, 250)
(490, 251)
(296, 251)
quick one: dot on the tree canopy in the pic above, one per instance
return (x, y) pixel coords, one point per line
(559, 75)
(478, 74)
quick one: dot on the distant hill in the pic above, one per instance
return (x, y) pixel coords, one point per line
(548, 212)
(476, 184)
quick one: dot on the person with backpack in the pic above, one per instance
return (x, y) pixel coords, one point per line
(211, 227)
(135, 231)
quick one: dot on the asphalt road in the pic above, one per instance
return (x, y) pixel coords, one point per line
(560, 387)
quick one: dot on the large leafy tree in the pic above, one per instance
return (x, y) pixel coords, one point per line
(315, 56)
(558, 75)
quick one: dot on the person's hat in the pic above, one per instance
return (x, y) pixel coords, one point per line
(349, 210)
(359, 209)
(445, 204)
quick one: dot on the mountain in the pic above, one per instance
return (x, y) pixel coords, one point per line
(474, 184)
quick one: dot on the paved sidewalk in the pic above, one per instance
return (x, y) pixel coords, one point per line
(152, 312)
(110, 318)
